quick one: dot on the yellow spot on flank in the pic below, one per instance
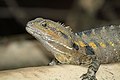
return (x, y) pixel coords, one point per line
(92, 44)
(112, 44)
(81, 44)
(102, 44)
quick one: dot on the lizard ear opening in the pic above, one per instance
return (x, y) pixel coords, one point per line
(75, 46)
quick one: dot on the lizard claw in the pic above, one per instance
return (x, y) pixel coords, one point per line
(87, 77)
(54, 62)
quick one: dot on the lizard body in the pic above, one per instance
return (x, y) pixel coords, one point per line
(104, 41)
(91, 47)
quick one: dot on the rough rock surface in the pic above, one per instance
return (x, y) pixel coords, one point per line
(60, 72)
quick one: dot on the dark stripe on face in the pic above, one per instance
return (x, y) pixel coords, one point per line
(64, 35)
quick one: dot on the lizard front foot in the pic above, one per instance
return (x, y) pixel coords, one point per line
(87, 77)
(54, 62)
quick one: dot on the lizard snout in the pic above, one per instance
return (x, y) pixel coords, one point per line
(30, 24)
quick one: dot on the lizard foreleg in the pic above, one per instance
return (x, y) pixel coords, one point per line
(92, 69)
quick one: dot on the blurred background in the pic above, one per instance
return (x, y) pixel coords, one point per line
(19, 49)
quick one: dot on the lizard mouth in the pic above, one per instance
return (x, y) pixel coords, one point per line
(37, 33)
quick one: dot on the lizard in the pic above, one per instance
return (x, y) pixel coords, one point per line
(90, 47)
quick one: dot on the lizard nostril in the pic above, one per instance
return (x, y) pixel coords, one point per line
(30, 23)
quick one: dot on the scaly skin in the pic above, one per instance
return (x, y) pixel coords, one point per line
(90, 48)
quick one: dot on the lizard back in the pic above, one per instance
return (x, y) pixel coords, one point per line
(105, 42)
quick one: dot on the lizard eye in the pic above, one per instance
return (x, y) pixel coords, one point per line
(75, 46)
(44, 24)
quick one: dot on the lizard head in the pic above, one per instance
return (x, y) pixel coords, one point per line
(56, 37)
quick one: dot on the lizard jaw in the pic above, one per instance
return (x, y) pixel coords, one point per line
(40, 34)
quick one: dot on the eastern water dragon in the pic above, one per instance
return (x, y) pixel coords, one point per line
(91, 47)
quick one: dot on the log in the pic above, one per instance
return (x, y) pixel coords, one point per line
(60, 72)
